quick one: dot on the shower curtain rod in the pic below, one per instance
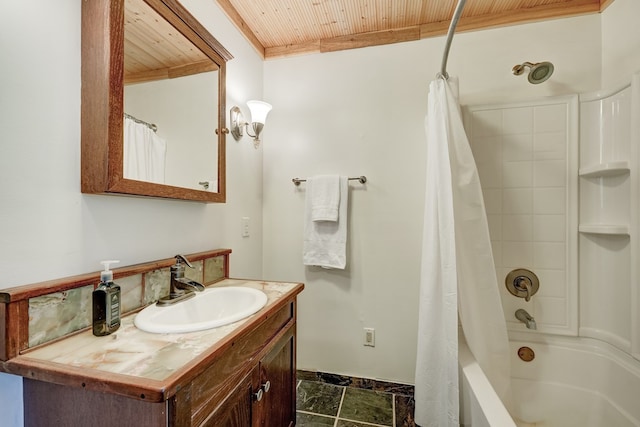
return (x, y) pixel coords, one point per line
(151, 126)
(452, 29)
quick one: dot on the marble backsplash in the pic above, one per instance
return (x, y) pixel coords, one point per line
(55, 315)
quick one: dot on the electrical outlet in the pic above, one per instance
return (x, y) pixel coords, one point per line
(369, 337)
(245, 226)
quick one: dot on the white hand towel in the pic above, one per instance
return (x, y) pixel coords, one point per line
(325, 197)
(325, 242)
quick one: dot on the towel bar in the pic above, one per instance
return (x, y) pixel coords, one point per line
(362, 179)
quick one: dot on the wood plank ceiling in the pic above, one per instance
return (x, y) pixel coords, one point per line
(154, 50)
(288, 27)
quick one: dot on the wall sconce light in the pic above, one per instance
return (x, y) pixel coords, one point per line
(259, 111)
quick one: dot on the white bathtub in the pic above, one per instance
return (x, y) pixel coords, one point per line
(571, 382)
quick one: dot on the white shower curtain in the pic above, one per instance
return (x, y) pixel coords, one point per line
(144, 153)
(458, 278)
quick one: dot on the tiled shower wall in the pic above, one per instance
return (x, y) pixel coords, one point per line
(526, 158)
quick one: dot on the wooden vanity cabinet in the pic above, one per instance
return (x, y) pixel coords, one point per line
(278, 406)
(265, 397)
(248, 382)
(237, 407)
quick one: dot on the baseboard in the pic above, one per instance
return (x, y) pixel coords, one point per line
(364, 383)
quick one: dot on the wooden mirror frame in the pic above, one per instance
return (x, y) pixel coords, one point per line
(102, 134)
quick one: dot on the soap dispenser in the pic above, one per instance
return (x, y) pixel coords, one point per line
(106, 303)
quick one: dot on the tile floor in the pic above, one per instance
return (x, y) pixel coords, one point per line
(321, 404)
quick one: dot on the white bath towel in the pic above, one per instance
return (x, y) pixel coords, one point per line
(325, 242)
(325, 197)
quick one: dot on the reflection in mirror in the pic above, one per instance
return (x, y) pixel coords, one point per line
(169, 73)
(172, 85)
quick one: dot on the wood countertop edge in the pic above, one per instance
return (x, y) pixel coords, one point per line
(137, 387)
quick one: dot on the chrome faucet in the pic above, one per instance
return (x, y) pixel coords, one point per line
(526, 318)
(180, 288)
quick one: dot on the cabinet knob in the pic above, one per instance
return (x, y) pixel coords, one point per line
(266, 386)
(258, 395)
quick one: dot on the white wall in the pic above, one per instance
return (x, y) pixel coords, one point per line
(620, 43)
(361, 112)
(48, 229)
(483, 60)
(353, 113)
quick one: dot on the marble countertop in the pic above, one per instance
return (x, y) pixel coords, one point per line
(132, 352)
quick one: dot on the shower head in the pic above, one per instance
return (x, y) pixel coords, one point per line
(538, 73)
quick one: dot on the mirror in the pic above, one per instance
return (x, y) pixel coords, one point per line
(150, 63)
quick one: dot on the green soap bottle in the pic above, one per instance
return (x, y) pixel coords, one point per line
(106, 303)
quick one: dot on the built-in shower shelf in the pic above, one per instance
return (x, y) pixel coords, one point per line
(605, 169)
(610, 229)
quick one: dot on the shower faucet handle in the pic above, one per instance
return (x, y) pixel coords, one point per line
(522, 283)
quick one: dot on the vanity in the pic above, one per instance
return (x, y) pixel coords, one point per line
(240, 374)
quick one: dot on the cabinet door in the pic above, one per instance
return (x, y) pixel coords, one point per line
(49, 404)
(278, 370)
(236, 409)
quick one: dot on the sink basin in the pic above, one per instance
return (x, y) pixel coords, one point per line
(210, 308)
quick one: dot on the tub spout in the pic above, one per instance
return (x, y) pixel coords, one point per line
(526, 318)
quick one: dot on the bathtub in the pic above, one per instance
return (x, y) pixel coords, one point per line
(570, 382)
